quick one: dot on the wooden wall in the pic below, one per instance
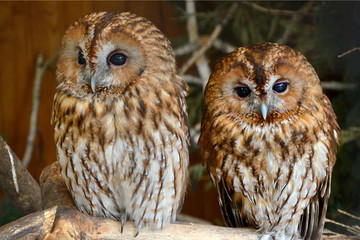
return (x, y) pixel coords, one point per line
(28, 28)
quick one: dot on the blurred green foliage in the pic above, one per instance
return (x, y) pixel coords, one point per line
(8, 212)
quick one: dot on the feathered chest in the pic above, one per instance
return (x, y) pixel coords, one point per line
(272, 171)
(264, 148)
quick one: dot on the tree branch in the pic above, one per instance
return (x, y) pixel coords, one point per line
(17, 183)
(216, 32)
(186, 49)
(190, 47)
(41, 66)
(195, 134)
(192, 79)
(347, 52)
(223, 46)
(201, 62)
(272, 11)
(295, 18)
(338, 86)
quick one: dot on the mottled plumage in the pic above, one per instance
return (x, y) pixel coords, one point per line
(120, 120)
(269, 137)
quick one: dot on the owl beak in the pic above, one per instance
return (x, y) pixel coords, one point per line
(93, 84)
(264, 110)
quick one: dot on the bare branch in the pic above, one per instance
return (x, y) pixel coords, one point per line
(348, 214)
(41, 66)
(216, 32)
(186, 49)
(192, 79)
(191, 47)
(338, 86)
(195, 134)
(295, 18)
(17, 183)
(223, 46)
(202, 63)
(347, 52)
(272, 11)
(353, 229)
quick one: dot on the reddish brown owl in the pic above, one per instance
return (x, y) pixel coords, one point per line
(120, 120)
(269, 137)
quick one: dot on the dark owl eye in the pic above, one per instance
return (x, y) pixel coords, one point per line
(243, 91)
(117, 58)
(280, 87)
(81, 58)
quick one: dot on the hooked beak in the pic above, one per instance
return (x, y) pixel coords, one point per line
(264, 110)
(93, 84)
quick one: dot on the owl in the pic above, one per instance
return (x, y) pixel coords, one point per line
(120, 120)
(269, 137)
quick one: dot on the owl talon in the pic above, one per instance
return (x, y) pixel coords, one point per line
(138, 229)
(123, 220)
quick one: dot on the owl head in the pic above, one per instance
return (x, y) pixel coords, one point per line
(262, 84)
(108, 52)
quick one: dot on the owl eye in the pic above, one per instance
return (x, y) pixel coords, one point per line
(280, 87)
(81, 58)
(243, 91)
(117, 58)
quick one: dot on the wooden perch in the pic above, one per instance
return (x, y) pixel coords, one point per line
(17, 183)
(33, 226)
(53, 188)
(62, 220)
(67, 223)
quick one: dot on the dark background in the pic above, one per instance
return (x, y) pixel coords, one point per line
(329, 29)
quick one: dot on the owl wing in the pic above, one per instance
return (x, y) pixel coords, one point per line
(230, 209)
(313, 219)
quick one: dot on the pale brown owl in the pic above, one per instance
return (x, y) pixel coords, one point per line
(120, 120)
(269, 137)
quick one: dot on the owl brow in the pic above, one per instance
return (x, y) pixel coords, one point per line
(104, 22)
(258, 69)
(280, 64)
(259, 74)
(238, 64)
